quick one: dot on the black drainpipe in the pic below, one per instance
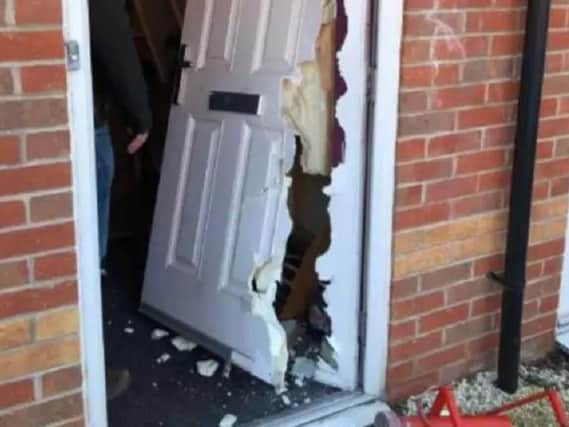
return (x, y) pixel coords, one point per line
(514, 277)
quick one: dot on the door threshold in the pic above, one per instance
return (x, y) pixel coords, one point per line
(347, 409)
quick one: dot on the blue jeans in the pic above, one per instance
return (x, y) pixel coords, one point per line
(105, 172)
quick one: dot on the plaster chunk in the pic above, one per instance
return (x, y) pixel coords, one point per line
(183, 344)
(163, 359)
(207, 368)
(228, 420)
(158, 334)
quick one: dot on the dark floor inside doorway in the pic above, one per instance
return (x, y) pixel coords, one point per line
(173, 394)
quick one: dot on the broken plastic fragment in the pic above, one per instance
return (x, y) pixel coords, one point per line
(129, 331)
(158, 334)
(328, 354)
(207, 368)
(163, 359)
(304, 368)
(299, 382)
(285, 399)
(267, 274)
(183, 344)
(319, 320)
(228, 420)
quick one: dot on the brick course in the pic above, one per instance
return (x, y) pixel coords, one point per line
(461, 59)
(40, 375)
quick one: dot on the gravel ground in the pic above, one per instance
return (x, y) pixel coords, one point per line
(477, 394)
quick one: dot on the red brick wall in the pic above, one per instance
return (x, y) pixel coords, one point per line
(460, 74)
(40, 376)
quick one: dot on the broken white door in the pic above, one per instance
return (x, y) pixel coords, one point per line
(222, 220)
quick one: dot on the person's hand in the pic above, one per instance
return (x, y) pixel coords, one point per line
(137, 142)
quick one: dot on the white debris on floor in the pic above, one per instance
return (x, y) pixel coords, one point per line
(207, 368)
(129, 331)
(158, 334)
(183, 344)
(163, 359)
(228, 420)
(478, 394)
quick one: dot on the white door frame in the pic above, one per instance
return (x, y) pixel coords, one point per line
(380, 187)
(380, 195)
(80, 106)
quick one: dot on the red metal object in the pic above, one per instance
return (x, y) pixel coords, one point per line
(495, 418)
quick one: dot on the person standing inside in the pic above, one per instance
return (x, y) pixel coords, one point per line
(118, 81)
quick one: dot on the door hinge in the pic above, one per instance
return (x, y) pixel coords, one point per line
(73, 55)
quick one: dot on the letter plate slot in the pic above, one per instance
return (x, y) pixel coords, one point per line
(232, 102)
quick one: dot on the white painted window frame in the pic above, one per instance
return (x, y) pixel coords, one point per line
(380, 156)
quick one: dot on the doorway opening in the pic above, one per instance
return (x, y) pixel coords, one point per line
(170, 382)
